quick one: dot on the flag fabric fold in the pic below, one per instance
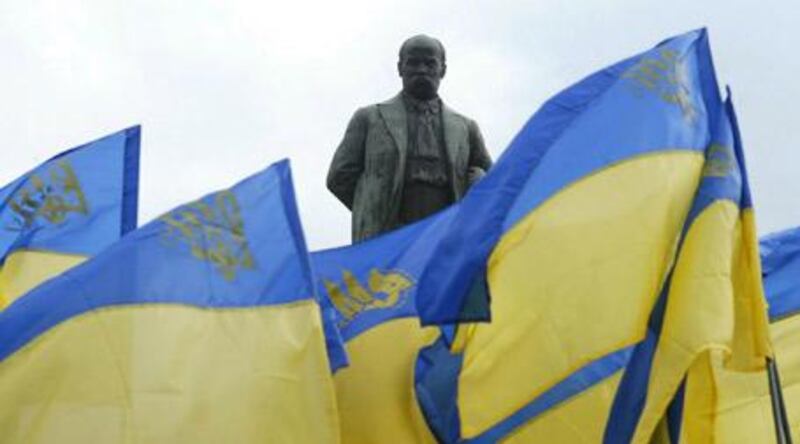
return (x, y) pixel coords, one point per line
(711, 308)
(372, 288)
(201, 326)
(781, 269)
(574, 230)
(742, 410)
(67, 209)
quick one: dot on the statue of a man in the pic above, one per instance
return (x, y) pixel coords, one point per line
(410, 156)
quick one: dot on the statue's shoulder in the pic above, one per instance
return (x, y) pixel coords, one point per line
(454, 115)
(376, 112)
(396, 100)
(373, 111)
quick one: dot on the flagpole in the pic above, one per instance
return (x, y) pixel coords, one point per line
(782, 430)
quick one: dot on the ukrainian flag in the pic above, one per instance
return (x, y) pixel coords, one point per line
(781, 268)
(372, 287)
(742, 412)
(712, 308)
(575, 230)
(67, 209)
(200, 327)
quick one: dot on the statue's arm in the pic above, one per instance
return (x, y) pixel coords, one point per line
(479, 159)
(348, 161)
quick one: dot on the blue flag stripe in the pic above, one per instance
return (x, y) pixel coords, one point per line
(632, 390)
(780, 259)
(130, 181)
(675, 414)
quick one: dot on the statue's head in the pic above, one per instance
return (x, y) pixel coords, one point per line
(422, 66)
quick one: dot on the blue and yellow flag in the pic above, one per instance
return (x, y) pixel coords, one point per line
(200, 327)
(67, 209)
(781, 268)
(575, 230)
(372, 287)
(780, 259)
(741, 410)
(711, 307)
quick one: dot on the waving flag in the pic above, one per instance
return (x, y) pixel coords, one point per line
(200, 327)
(67, 209)
(574, 230)
(372, 287)
(741, 411)
(713, 303)
(781, 268)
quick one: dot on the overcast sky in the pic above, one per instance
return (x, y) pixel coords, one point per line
(223, 88)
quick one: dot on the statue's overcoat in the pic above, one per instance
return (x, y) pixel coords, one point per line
(368, 168)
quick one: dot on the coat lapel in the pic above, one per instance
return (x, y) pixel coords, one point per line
(451, 127)
(393, 113)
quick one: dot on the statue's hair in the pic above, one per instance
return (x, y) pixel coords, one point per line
(406, 42)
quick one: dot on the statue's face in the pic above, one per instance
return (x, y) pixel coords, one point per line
(422, 68)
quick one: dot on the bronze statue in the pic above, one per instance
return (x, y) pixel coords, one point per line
(410, 156)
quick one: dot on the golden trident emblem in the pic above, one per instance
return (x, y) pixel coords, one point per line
(213, 229)
(48, 198)
(667, 76)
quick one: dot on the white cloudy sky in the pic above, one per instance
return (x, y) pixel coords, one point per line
(222, 88)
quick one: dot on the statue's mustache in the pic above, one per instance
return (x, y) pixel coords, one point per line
(428, 78)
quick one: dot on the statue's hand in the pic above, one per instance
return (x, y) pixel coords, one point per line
(475, 174)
